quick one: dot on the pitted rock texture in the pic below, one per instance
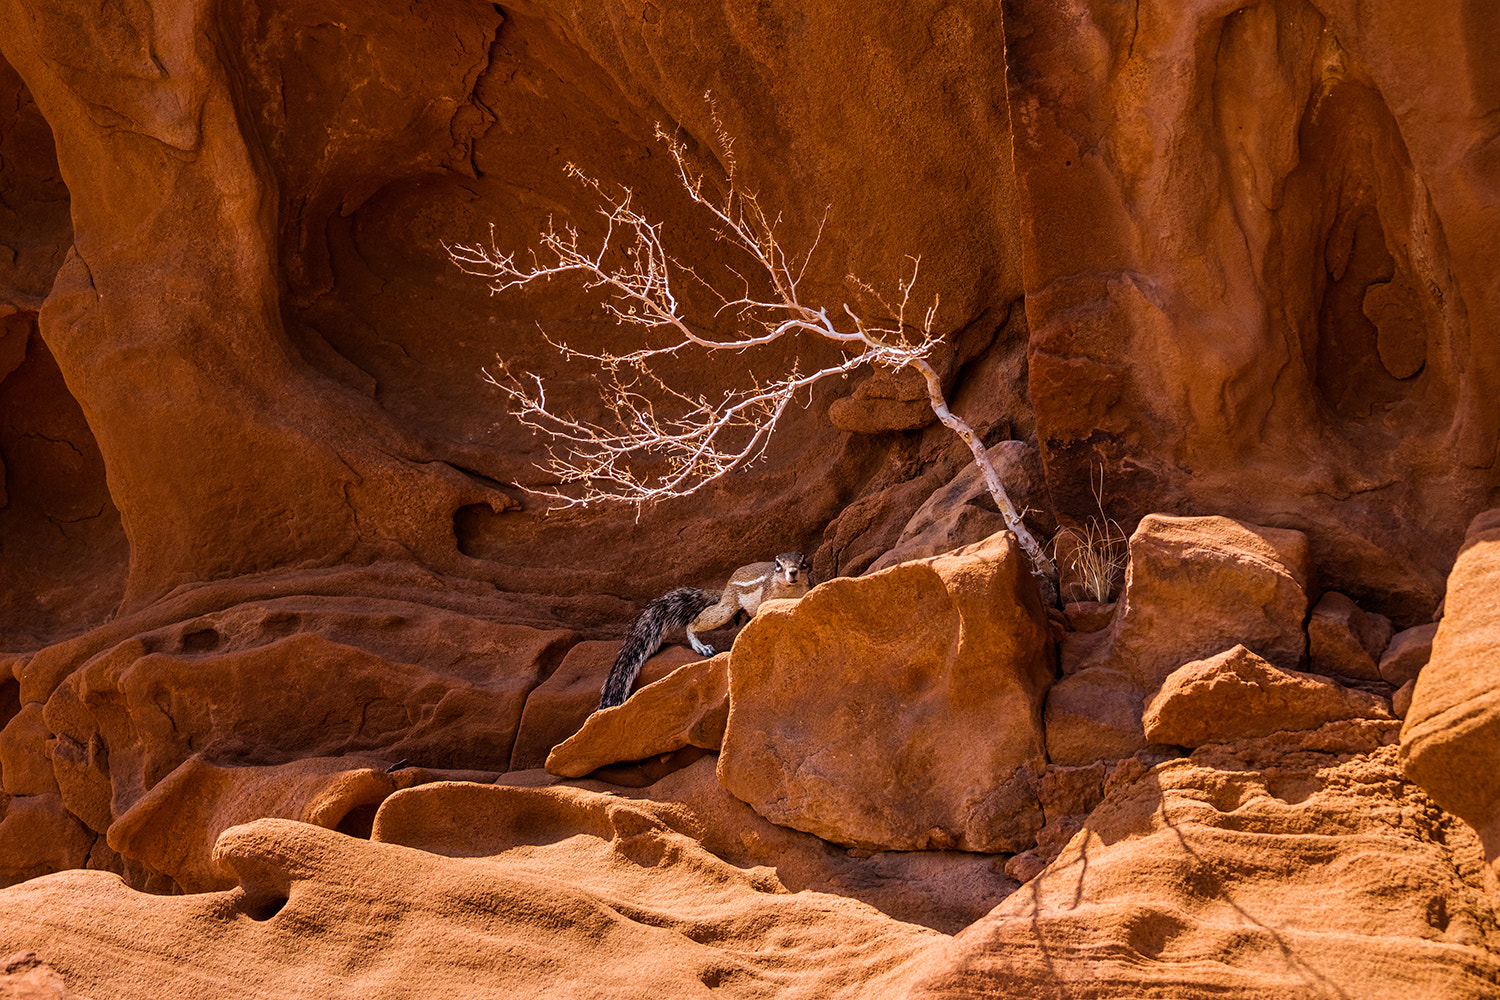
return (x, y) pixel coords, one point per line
(155, 700)
(173, 828)
(235, 678)
(900, 710)
(1248, 231)
(1198, 879)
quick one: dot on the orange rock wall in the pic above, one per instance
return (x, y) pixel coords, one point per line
(1260, 258)
(1254, 252)
(264, 529)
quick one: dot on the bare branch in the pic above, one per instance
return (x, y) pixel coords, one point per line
(660, 442)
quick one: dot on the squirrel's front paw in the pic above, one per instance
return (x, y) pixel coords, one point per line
(702, 648)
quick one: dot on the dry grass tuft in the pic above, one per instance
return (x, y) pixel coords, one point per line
(1092, 558)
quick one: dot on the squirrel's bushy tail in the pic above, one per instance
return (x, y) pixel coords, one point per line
(674, 609)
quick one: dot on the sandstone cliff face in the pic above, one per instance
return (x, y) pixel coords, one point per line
(1260, 268)
(267, 555)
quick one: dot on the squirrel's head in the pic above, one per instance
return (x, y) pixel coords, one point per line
(791, 567)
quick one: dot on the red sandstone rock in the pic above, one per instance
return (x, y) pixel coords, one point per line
(38, 835)
(1345, 640)
(944, 890)
(1407, 654)
(1401, 699)
(1236, 695)
(1089, 616)
(898, 710)
(1068, 794)
(559, 706)
(1450, 744)
(1072, 791)
(688, 707)
(262, 683)
(25, 765)
(551, 916)
(65, 549)
(1197, 586)
(1199, 879)
(172, 829)
(886, 401)
(1258, 252)
(23, 976)
(361, 397)
(1094, 715)
(1227, 213)
(963, 511)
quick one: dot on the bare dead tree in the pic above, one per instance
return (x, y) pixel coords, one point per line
(661, 442)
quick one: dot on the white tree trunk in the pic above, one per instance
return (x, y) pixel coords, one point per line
(1041, 566)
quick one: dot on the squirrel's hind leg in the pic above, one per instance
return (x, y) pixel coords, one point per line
(711, 618)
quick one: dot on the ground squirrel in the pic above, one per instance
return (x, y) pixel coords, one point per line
(700, 611)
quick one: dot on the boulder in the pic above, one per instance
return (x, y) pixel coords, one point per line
(1401, 699)
(559, 706)
(1407, 654)
(899, 710)
(963, 512)
(1237, 694)
(688, 707)
(1094, 715)
(1344, 640)
(25, 765)
(38, 835)
(1089, 616)
(1196, 586)
(1450, 744)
